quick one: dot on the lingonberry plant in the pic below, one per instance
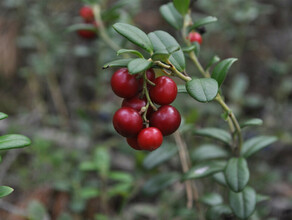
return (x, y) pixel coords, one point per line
(146, 114)
(7, 142)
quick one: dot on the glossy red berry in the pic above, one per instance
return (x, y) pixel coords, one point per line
(195, 37)
(167, 119)
(150, 75)
(123, 84)
(164, 92)
(133, 143)
(87, 34)
(87, 13)
(150, 139)
(127, 122)
(135, 103)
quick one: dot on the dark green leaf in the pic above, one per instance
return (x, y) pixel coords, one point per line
(160, 56)
(216, 212)
(3, 115)
(208, 152)
(252, 122)
(89, 192)
(220, 178)
(118, 63)
(189, 48)
(139, 65)
(181, 89)
(12, 141)
(236, 174)
(215, 59)
(243, 203)
(253, 145)
(211, 199)
(162, 154)
(160, 182)
(171, 15)
(77, 27)
(135, 35)
(163, 42)
(121, 177)
(221, 69)
(204, 169)
(203, 90)
(182, 6)
(5, 191)
(135, 52)
(261, 198)
(216, 133)
(202, 22)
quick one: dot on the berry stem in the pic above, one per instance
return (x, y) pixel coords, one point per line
(146, 92)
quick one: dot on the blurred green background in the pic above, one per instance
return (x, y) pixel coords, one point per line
(54, 89)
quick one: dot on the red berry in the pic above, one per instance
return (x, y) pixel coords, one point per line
(87, 34)
(150, 139)
(133, 143)
(135, 103)
(167, 119)
(127, 122)
(164, 92)
(150, 75)
(195, 37)
(124, 85)
(87, 13)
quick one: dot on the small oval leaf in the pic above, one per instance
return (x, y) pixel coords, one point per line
(203, 21)
(117, 63)
(216, 133)
(204, 169)
(243, 203)
(77, 27)
(3, 115)
(215, 59)
(135, 52)
(203, 90)
(208, 152)
(220, 178)
(139, 65)
(5, 191)
(182, 6)
(221, 69)
(211, 199)
(135, 35)
(237, 174)
(252, 122)
(181, 89)
(171, 15)
(12, 141)
(255, 144)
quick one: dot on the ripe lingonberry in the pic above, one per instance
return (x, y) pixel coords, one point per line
(150, 75)
(123, 84)
(137, 103)
(150, 139)
(195, 37)
(87, 14)
(164, 92)
(87, 34)
(133, 143)
(127, 122)
(167, 119)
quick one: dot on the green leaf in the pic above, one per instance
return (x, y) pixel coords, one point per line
(135, 52)
(255, 144)
(171, 15)
(189, 48)
(36, 211)
(5, 191)
(221, 69)
(208, 152)
(182, 6)
(139, 65)
(202, 22)
(181, 89)
(135, 35)
(203, 90)
(252, 122)
(118, 63)
(12, 141)
(211, 199)
(3, 115)
(162, 154)
(81, 26)
(163, 42)
(216, 133)
(243, 203)
(204, 169)
(236, 174)
(160, 182)
(216, 212)
(121, 177)
(220, 178)
(261, 198)
(102, 160)
(215, 59)
(89, 192)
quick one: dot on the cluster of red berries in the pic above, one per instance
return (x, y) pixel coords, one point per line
(195, 37)
(87, 14)
(143, 126)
